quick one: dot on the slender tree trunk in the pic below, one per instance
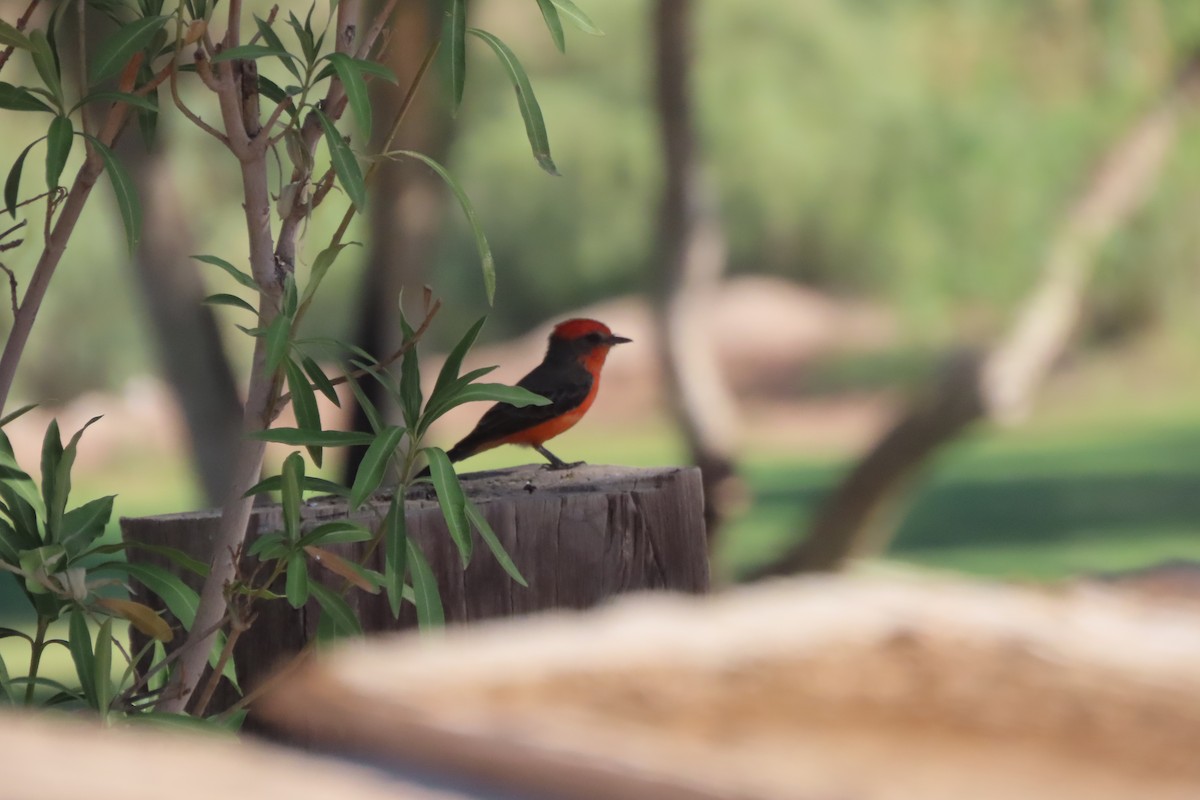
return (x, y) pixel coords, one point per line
(691, 255)
(858, 518)
(191, 355)
(407, 199)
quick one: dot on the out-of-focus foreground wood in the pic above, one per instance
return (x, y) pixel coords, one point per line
(55, 757)
(859, 688)
(578, 536)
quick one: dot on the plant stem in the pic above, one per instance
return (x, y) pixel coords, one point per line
(52, 253)
(35, 657)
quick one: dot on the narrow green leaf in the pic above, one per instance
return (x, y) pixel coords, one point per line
(345, 165)
(314, 438)
(214, 657)
(553, 24)
(456, 36)
(311, 484)
(52, 453)
(12, 185)
(355, 87)
(395, 543)
(11, 37)
(575, 15)
(277, 341)
(304, 404)
(79, 638)
(297, 579)
(126, 193)
(229, 300)
(360, 396)
(134, 100)
(88, 521)
(170, 553)
(373, 467)
(410, 384)
(293, 476)
(13, 633)
(20, 412)
(452, 501)
(320, 380)
(269, 545)
(490, 392)
(18, 98)
(448, 374)
(320, 267)
(231, 270)
(6, 690)
(344, 621)
(56, 506)
(484, 249)
(22, 513)
(58, 149)
(531, 112)
(425, 590)
(493, 542)
(179, 598)
(103, 666)
(252, 52)
(275, 43)
(46, 64)
(10, 545)
(115, 50)
(376, 70)
(339, 532)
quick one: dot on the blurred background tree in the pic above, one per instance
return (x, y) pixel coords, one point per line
(916, 156)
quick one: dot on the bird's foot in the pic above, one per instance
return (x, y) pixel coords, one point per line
(563, 465)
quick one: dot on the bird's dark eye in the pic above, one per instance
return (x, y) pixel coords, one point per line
(594, 337)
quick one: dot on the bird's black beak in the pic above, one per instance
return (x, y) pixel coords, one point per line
(614, 340)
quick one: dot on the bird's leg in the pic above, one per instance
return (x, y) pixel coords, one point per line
(555, 461)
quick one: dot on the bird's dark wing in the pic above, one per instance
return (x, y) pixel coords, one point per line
(565, 386)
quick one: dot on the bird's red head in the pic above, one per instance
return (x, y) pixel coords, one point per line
(584, 339)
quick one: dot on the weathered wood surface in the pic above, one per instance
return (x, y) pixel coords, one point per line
(63, 758)
(869, 687)
(578, 536)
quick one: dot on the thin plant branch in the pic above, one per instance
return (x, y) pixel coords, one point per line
(270, 21)
(80, 7)
(187, 112)
(21, 25)
(12, 284)
(383, 364)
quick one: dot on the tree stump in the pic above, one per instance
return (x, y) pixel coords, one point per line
(578, 536)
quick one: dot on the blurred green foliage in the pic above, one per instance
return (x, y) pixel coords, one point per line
(920, 153)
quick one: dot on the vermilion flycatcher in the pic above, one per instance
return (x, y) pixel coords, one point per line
(569, 377)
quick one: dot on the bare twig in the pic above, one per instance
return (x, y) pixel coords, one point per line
(129, 694)
(21, 24)
(280, 107)
(270, 683)
(52, 252)
(377, 25)
(80, 7)
(12, 279)
(270, 22)
(187, 112)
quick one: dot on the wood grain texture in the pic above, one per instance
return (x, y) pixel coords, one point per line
(579, 537)
(879, 686)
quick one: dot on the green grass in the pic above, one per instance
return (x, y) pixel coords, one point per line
(1032, 504)
(1096, 493)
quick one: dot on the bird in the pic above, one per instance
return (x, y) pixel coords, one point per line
(569, 377)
